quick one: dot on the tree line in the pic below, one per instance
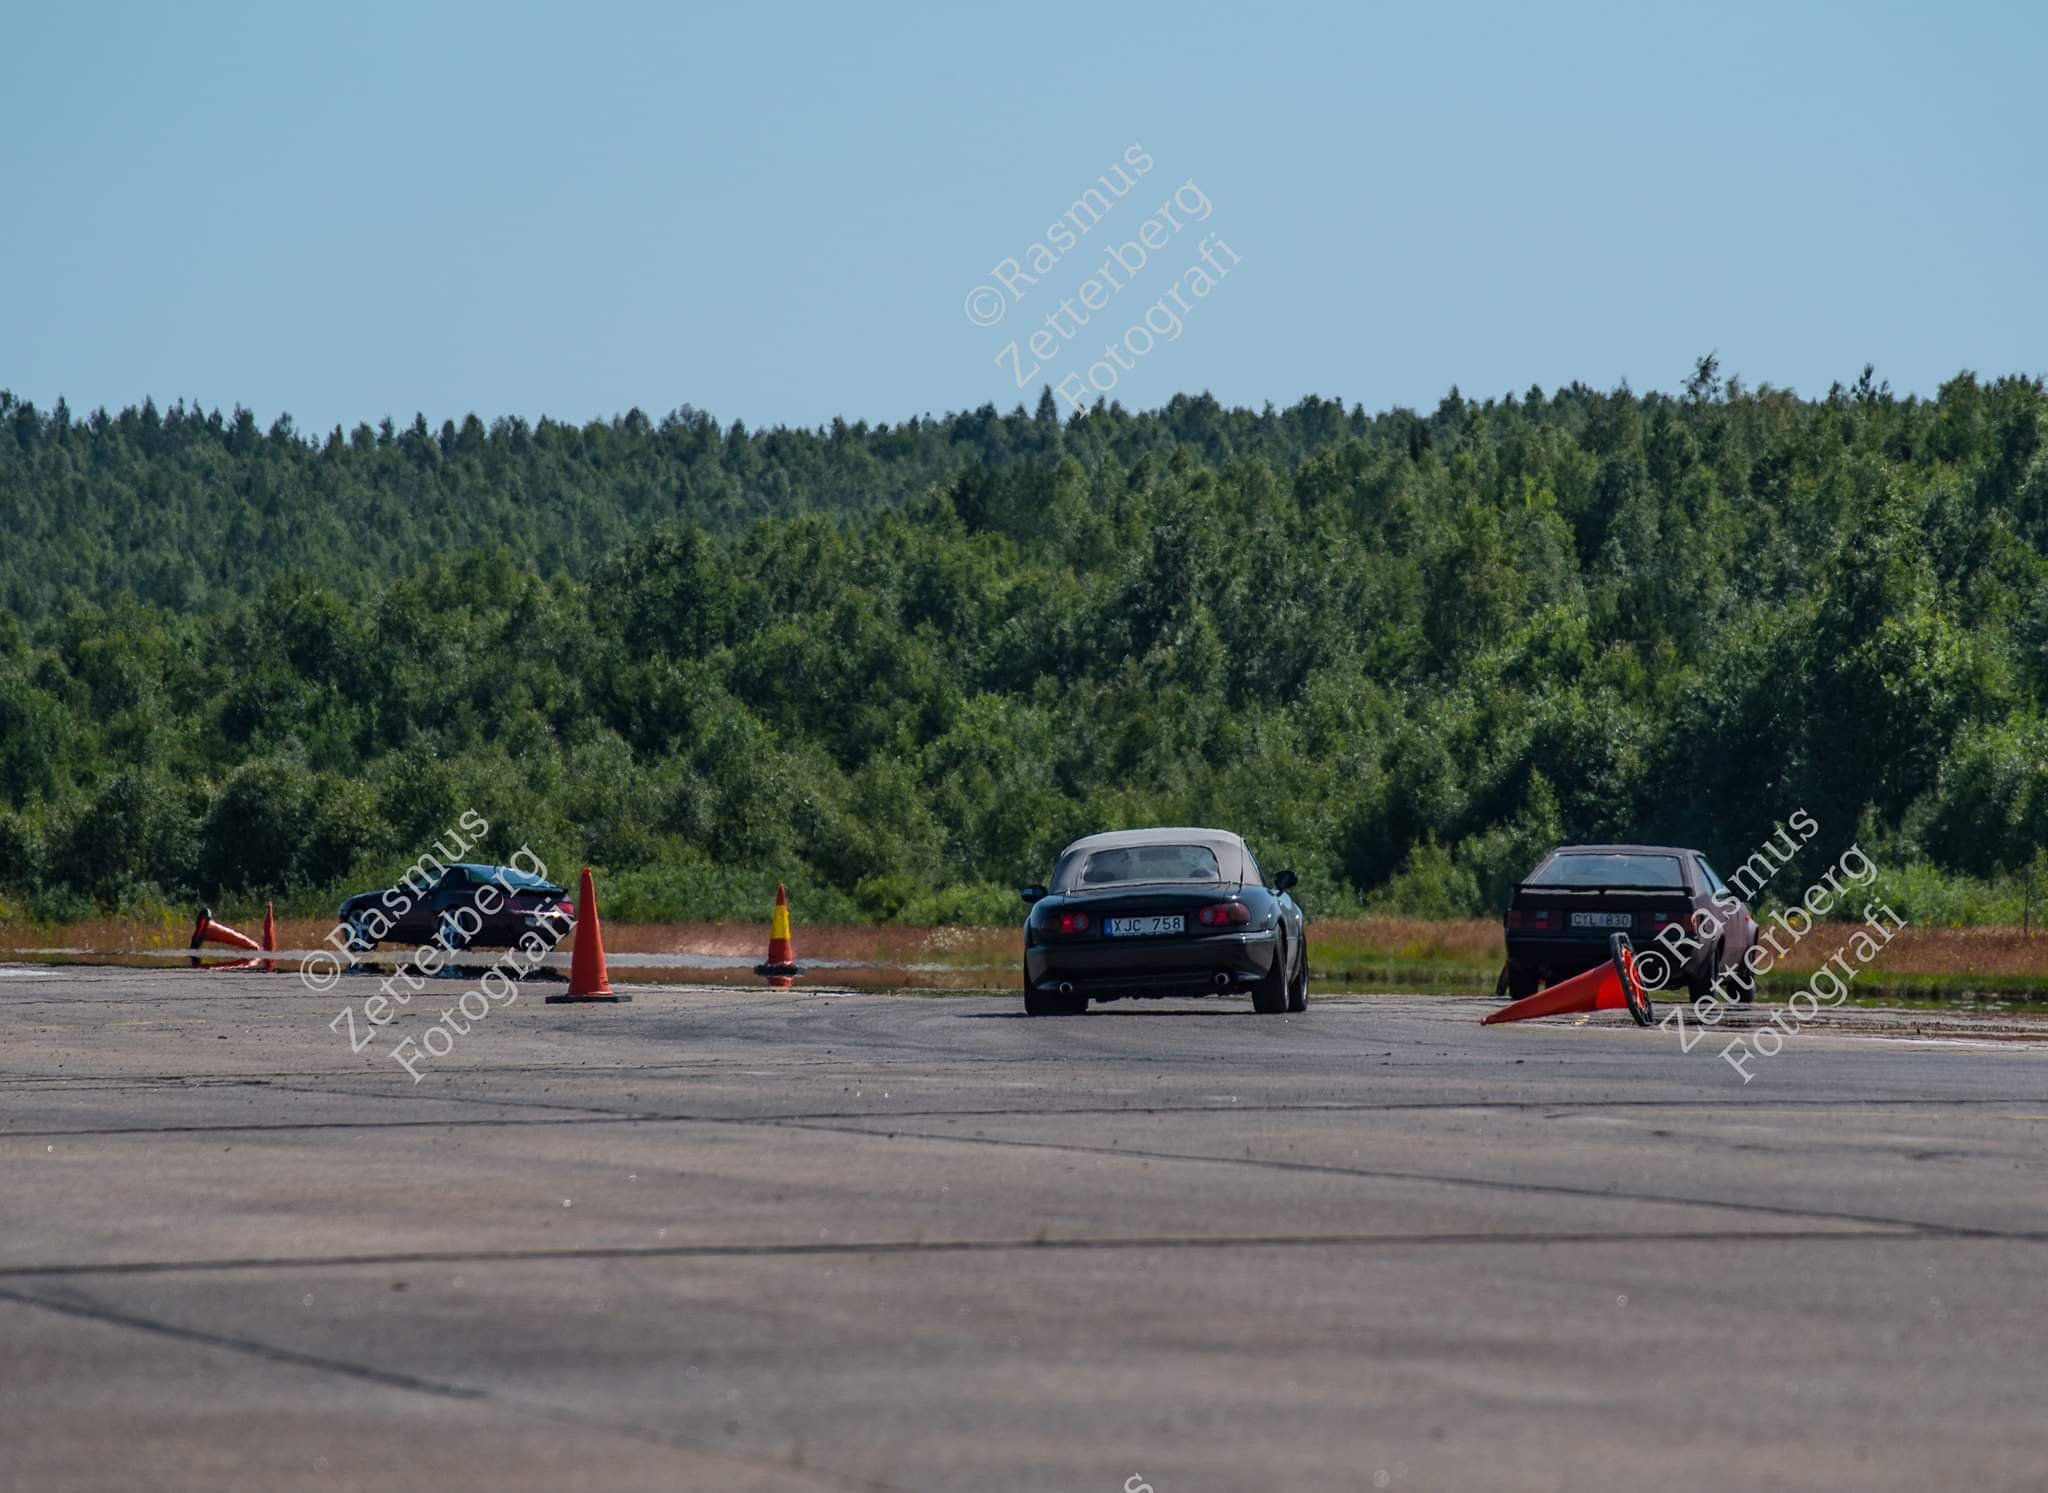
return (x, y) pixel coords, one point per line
(899, 666)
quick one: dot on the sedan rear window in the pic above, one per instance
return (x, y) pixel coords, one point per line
(1588, 868)
(1148, 863)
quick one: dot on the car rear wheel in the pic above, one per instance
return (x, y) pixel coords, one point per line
(451, 937)
(1743, 978)
(1699, 981)
(1297, 993)
(1269, 991)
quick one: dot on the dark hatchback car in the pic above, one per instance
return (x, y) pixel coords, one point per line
(1561, 917)
(509, 902)
(1159, 912)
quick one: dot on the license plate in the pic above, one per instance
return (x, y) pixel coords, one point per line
(1603, 920)
(1140, 927)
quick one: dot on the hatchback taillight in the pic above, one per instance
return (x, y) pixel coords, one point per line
(1223, 914)
(1074, 922)
(1531, 920)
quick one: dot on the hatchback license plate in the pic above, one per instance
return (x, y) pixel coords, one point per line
(1139, 927)
(1603, 920)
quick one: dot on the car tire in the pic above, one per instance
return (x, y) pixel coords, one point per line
(1522, 983)
(451, 937)
(1297, 992)
(1700, 982)
(359, 940)
(1745, 978)
(1269, 991)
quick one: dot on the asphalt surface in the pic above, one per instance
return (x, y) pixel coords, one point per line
(750, 1240)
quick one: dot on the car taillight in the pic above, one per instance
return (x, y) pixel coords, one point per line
(1223, 914)
(1690, 921)
(1074, 922)
(566, 908)
(1535, 920)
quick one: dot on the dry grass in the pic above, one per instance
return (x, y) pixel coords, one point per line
(1946, 952)
(1337, 944)
(101, 935)
(964, 947)
(970, 947)
(1472, 942)
(1953, 952)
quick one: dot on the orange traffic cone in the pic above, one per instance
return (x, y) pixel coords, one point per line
(1613, 986)
(587, 978)
(269, 933)
(206, 930)
(781, 967)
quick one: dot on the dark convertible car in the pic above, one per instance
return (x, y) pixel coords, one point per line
(1667, 899)
(1155, 912)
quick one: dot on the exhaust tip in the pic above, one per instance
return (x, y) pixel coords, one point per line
(1066, 987)
(1222, 980)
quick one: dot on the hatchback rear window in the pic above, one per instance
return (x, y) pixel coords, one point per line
(1610, 869)
(1148, 863)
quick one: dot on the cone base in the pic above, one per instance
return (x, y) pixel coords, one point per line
(226, 937)
(1613, 986)
(778, 969)
(1597, 989)
(564, 1000)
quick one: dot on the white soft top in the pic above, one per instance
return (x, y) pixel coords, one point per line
(1231, 857)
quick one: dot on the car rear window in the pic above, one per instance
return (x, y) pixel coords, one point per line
(1609, 868)
(515, 880)
(1148, 863)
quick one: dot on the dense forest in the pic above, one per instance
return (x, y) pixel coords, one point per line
(899, 666)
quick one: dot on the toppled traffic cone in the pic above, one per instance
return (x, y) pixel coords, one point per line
(781, 968)
(587, 978)
(1616, 985)
(206, 930)
(269, 933)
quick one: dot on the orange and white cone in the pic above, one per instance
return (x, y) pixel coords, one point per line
(588, 980)
(269, 934)
(780, 968)
(1616, 985)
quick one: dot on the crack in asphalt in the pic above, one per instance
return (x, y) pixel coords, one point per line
(1903, 1233)
(1552, 1189)
(581, 1114)
(611, 1114)
(84, 1309)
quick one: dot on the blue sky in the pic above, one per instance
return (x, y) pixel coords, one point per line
(776, 213)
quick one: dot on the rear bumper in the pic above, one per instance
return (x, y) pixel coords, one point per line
(1213, 965)
(502, 931)
(508, 929)
(1559, 956)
